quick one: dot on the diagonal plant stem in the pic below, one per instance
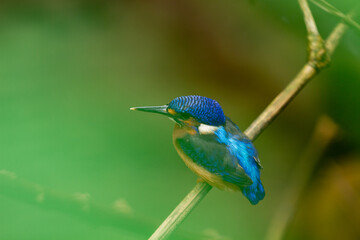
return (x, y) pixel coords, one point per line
(327, 7)
(319, 57)
(308, 18)
(182, 211)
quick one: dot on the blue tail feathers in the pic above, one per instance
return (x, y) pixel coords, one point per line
(254, 192)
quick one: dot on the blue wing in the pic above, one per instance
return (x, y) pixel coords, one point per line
(236, 133)
(239, 145)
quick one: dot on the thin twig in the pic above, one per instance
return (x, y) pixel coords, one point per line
(309, 19)
(327, 7)
(316, 62)
(182, 210)
(318, 57)
(280, 102)
(333, 40)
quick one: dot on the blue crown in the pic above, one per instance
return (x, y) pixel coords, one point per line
(203, 109)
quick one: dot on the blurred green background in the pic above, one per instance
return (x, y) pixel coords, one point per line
(75, 163)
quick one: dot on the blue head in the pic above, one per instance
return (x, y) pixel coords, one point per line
(202, 109)
(199, 109)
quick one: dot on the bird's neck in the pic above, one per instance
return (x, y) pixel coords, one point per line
(182, 130)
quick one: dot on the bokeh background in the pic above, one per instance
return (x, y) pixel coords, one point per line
(75, 163)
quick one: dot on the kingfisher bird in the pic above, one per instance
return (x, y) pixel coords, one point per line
(212, 146)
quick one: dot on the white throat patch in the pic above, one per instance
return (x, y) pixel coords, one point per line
(207, 129)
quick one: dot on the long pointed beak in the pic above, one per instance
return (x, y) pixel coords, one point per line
(152, 109)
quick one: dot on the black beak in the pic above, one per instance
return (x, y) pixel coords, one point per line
(153, 109)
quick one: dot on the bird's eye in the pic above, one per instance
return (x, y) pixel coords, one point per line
(180, 116)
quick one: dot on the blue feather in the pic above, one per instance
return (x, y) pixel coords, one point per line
(246, 154)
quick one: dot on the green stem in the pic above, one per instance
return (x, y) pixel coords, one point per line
(327, 7)
(280, 102)
(308, 18)
(317, 55)
(181, 211)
